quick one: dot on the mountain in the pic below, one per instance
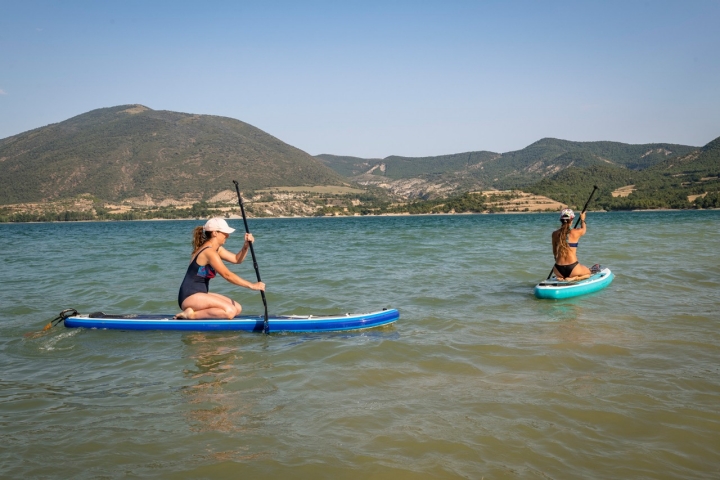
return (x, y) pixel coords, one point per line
(675, 182)
(704, 162)
(132, 151)
(348, 166)
(517, 169)
(396, 167)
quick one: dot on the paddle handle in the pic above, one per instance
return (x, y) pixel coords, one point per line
(595, 187)
(252, 253)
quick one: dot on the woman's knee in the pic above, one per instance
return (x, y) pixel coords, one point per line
(233, 310)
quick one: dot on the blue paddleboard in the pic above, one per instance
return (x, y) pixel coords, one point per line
(250, 323)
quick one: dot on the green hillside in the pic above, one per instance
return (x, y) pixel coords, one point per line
(113, 154)
(516, 169)
(666, 184)
(549, 156)
(635, 157)
(408, 167)
(348, 166)
(704, 162)
(131, 150)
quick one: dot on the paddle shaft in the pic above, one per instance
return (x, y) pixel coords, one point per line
(586, 205)
(252, 253)
(578, 220)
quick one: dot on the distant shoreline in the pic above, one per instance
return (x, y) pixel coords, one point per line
(239, 217)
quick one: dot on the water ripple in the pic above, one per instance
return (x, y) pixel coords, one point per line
(477, 379)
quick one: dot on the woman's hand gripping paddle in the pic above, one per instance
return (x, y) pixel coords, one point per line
(595, 187)
(266, 327)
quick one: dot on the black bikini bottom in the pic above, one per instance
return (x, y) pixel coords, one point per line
(565, 270)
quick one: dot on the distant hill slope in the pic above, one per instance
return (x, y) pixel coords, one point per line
(516, 169)
(130, 151)
(703, 162)
(348, 166)
(666, 184)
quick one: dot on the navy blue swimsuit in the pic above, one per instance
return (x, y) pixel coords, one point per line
(197, 279)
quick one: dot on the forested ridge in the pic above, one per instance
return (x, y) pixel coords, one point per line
(663, 175)
(666, 184)
(516, 169)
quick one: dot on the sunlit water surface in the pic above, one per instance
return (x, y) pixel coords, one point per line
(477, 378)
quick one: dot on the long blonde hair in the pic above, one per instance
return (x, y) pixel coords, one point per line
(562, 245)
(200, 236)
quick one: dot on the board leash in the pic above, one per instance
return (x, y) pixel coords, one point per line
(68, 312)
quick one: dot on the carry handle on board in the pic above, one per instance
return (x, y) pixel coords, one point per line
(595, 187)
(266, 327)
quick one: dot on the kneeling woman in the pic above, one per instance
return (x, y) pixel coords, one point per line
(565, 243)
(194, 298)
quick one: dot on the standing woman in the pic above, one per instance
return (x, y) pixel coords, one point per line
(194, 297)
(565, 243)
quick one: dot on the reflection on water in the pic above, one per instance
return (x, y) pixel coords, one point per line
(214, 406)
(561, 311)
(218, 404)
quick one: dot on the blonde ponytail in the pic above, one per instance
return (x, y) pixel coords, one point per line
(562, 245)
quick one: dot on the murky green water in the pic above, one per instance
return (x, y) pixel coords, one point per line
(477, 379)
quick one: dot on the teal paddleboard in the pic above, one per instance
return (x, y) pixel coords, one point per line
(558, 289)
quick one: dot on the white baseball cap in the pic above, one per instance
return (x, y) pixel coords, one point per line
(217, 224)
(567, 214)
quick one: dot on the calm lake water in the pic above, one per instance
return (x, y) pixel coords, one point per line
(477, 378)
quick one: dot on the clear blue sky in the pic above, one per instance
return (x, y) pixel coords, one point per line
(373, 79)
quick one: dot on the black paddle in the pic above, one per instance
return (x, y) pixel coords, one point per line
(266, 327)
(578, 220)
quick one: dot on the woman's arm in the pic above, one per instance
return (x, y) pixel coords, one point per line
(582, 229)
(240, 256)
(216, 262)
